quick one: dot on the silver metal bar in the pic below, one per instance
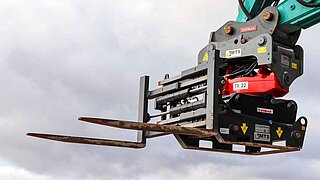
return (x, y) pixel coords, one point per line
(143, 106)
(210, 92)
(159, 114)
(194, 71)
(163, 90)
(193, 82)
(170, 80)
(201, 89)
(185, 116)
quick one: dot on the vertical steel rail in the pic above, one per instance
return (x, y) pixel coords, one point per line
(210, 88)
(143, 107)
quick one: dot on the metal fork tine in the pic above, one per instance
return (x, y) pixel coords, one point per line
(150, 127)
(85, 140)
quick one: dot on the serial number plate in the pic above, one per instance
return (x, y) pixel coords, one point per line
(262, 128)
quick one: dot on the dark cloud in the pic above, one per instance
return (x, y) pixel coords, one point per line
(61, 60)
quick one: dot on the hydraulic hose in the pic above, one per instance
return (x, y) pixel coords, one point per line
(308, 4)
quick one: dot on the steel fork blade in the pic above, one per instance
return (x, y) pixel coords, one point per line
(85, 140)
(150, 127)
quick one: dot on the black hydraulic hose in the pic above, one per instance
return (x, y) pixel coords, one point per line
(262, 6)
(276, 2)
(308, 4)
(245, 11)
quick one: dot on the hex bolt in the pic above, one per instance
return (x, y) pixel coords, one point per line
(223, 82)
(234, 128)
(292, 106)
(296, 134)
(286, 78)
(228, 30)
(267, 16)
(243, 41)
(262, 41)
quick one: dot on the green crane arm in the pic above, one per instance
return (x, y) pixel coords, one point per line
(294, 14)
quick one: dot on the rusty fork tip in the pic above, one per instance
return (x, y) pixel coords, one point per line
(33, 134)
(84, 118)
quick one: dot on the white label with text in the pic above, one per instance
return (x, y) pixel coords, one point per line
(262, 137)
(240, 86)
(265, 110)
(224, 131)
(233, 53)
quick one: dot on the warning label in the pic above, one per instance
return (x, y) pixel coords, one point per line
(279, 131)
(294, 65)
(262, 50)
(244, 128)
(205, 57)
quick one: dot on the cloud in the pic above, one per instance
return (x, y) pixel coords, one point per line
(60, 60)
(11, 173)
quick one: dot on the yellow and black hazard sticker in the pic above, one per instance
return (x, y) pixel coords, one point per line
(205, 57)
(279, 131)
(244, 128)
(294, 65)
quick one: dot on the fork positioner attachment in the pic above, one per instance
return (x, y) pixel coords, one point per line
(228, 99)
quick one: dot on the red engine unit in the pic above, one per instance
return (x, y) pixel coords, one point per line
(264, 83)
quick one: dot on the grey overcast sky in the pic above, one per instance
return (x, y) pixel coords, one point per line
(63, 59)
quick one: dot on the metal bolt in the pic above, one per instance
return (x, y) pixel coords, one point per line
(223, 82)
(286, 78)
(228, 30)
(262, 41)
(243, 40)
(234, 128)
(297, 135)
(291, 106)
(267, 16)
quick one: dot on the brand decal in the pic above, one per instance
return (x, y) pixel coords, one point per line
(233, 53)
(265, 110)
(262, 137)
(248, 29)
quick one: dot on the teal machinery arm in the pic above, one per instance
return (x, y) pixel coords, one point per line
(294, 14)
